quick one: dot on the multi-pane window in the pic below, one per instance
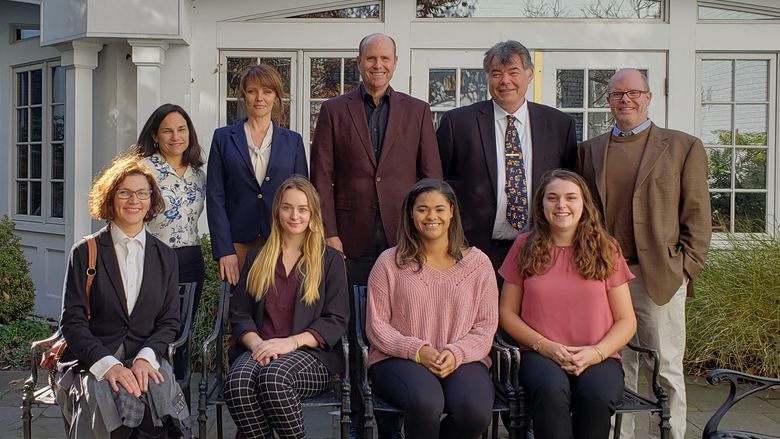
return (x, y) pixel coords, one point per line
(736, 124)
(329, 77)
(235, 109)
(450, 88)
(582, 93)
(601, 9)
(39, 134)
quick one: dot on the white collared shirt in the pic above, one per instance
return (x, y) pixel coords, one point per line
(184, 196)
(260, 155)
(130, 257)
(501, 227)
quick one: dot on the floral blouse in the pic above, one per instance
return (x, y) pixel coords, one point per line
(177, 225)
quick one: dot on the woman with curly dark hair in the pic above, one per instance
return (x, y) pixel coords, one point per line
(566, 301)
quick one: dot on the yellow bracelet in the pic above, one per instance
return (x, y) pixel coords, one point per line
(598, 351)
(417, 358)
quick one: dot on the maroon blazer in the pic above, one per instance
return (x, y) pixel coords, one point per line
(349, 179)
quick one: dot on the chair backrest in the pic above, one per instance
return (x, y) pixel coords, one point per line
(359, 297)
(186, 305)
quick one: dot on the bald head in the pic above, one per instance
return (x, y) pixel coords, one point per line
(368, 39)
(629, 74)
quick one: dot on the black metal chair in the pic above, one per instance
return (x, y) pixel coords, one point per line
(501, 370)
(212, 382)
(741, 385)
(630, 403)
(44, 396)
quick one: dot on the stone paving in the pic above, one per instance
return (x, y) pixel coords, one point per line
(756, 414)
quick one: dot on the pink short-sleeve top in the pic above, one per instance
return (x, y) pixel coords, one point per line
(562, 305)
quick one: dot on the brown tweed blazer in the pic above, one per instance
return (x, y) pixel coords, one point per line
(671, 206)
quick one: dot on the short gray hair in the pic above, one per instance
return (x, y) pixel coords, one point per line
(504, 51)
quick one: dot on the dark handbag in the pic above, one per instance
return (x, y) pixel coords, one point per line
(52, 356)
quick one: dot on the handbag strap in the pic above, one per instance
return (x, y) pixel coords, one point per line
(92, 249)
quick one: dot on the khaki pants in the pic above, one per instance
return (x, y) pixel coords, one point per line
(242, 248)
(659, 327)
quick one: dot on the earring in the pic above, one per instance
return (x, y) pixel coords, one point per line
(156, 146)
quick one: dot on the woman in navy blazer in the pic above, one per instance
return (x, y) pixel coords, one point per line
(247, 163)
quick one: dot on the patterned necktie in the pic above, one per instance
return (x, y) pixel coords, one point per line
(516, 185)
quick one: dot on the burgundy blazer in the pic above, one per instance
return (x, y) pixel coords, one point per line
(352, 183)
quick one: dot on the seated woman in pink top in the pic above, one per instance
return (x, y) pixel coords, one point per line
(432, 312)
(566, 300)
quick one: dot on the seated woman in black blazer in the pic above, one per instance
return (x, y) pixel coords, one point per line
(114, 381)
(288, 313)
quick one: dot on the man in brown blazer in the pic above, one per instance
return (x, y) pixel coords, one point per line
(370, 146)
(651, 187)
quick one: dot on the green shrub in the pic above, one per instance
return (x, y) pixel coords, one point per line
(734, 320)
(15, 339)
(209, 302)
(17, 293)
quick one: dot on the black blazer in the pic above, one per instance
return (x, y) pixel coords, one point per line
(329, 316)
(155, 320)
(238, 206)
(467, 146)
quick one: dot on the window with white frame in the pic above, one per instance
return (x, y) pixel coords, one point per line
(39, 138)
(736, 122)
(325, 75)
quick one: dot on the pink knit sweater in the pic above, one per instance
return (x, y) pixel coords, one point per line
(455, 309)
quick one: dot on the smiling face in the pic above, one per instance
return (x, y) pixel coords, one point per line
(129, 213)
(432, 214)
(294, 212)
(562, 205)
(629, 113)
(508, 83)
(377, 63)
(172, 136)
(259, 100)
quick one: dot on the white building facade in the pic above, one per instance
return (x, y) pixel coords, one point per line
(80, 77)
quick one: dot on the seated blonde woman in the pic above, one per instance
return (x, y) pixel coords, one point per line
(288, 313)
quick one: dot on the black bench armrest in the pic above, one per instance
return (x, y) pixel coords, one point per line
(753, 383)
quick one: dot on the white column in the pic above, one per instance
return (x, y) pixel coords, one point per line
(681, 101)
(149, 58)
(79, 60)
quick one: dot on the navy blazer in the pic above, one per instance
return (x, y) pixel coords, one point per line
(329, 315)
(237, 206)
(467, 146)
(155, 320)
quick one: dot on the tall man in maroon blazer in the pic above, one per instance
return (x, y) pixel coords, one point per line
(650, 183)
(370, 146)
(473, 148)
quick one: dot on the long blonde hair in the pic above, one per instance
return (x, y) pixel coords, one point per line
(261, 275)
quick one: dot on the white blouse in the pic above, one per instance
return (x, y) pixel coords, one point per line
(177, 225)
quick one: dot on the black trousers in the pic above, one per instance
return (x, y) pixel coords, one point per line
(466, 396)
(358, 270)
(553, 395)
(191, 269)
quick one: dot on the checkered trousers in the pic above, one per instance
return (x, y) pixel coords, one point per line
(262, 400)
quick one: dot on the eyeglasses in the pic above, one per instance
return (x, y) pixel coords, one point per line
(125, 194)
(632, 94)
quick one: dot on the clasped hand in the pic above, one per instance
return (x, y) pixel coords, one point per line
(440, 364)
(134, 380)
(266, 351)
(572, 359)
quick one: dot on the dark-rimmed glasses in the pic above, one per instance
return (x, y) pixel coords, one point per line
(632, 94)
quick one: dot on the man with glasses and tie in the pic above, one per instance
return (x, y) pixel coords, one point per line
(650, 184)
(495, 152)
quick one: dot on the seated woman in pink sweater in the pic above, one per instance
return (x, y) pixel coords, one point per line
(566, 300)
(432, 312)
